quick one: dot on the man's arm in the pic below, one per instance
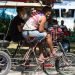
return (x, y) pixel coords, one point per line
(20, 27)
(42, 24)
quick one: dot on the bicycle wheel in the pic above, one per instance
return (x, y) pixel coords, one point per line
(49, 67)
(66, 64)
(5, 63)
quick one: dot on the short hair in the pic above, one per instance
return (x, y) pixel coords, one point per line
(19, 9)
(46, 9)
(62, 21)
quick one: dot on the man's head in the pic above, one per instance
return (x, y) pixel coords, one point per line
(47, 10)
(21, 11)
(33, 12)
(62, 22)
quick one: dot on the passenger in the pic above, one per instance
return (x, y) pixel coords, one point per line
(35, 26)
(33, 12)
(16, 25)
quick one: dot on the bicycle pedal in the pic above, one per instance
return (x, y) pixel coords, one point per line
(48, 65)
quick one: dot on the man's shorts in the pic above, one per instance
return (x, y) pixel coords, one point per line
(34, 33)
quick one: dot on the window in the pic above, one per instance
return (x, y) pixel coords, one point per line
(63, 12)
(56, 13)
(69, 13)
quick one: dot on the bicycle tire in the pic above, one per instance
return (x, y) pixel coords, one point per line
(64, 69)
(49, 67)
(6, 61)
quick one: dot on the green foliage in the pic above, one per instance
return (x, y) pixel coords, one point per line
(4, 23)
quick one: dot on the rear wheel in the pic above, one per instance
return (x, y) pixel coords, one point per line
(66, 64)
(5, 63)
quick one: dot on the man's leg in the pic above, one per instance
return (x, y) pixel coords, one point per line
(50, 44)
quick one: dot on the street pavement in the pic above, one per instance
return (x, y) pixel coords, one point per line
(38, 73)
(14, 73)
(70, 71)
(31, 73)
